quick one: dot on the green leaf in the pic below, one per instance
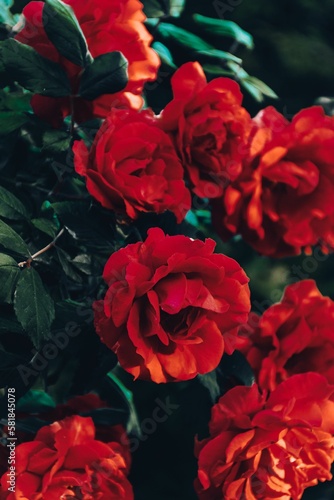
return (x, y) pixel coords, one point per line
(161, 8)
(237, 70)
(11, 120)
(67, 266)
(254, 86)
(9, 325)
(164, 54)
(222, 27)
(64, 31)
(17, 100)
(33, 306)
(83, 262)
(176, 7)
(219, 54)
(11, 207)
(6, 17)
(9, 273)
(35, 402)
(12, 241)
(108, 74)
(210, 382)
(183, 37)
(133, 425)
(47, 226)
(34, 72)
(192, 42)
(252, 90)
(56, 141)
(154, 8)
(217, 69)
(261, 86)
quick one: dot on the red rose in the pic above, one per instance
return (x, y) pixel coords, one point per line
(133, 167)
(108, 26)
(294, 336)
(86, 404)
(274, 449)
(209, 127)
(66, 461)
(171, 306)
(282, 202)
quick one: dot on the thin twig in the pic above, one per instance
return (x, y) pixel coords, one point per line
(27, 262)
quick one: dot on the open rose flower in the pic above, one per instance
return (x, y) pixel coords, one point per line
(84, 406)
(172, 306)
(209, 127)
(293, 336)
(261, 449)
(283, 201)
(112, 25)
(65, 461)
(132, 166)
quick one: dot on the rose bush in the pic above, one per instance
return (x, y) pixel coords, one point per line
(293, 336)
(66, 461)
(132, 166)
(261, 449)
(209, 128)
(113, 25)
(282, 204)
(172, 306)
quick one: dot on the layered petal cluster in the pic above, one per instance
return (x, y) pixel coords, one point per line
(132, 166)
(172, 306)
(84, 406)
(66, 461)
(260, 449)
(293, 336)
(109, 26)
(209, 128)
(282, 201)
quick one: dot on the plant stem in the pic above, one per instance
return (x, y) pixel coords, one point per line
(27, 262)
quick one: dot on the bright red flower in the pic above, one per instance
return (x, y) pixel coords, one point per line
(209, 127)
(261, 449)
(65, 461)
(108, 26)
(172, 306)
(132, 166)
(282, 202)
(293, 336)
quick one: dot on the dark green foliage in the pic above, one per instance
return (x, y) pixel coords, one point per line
(106, 75)
(63, 29)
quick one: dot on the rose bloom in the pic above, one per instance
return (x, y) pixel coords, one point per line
(65, 461)
(84, 406)
(261, 449)
(293, 336)
(209, 127)
(132, 166)
(282, 202)
(110, 25)
(172, 307)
